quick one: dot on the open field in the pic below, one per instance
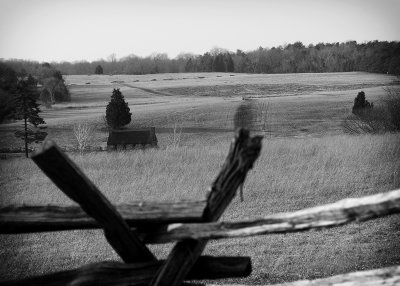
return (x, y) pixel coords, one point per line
(306, 160)
(205, 103)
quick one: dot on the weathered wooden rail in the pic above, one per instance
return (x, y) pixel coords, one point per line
(389, 276)
(129, 227)
(20, 219)
(164, 229)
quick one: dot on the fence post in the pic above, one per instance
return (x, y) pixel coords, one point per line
(243, 153)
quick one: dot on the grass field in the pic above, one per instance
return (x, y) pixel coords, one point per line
(298, 104)
(306, 161)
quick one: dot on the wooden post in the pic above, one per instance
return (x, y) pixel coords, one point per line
(73, 182)
(243, 153)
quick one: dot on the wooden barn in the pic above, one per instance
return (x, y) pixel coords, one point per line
(138, 136)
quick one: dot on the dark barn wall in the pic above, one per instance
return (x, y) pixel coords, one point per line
(144, 136)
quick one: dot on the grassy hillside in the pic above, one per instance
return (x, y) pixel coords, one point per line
(204, 104)
(290, 174)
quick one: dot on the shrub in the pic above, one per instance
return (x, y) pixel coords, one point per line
(360, 104)
(369, 119)
(117, 111)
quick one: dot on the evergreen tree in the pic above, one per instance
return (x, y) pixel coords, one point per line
(218, 64)
(26, 94)
(360, 104)
(117, 111)
(98, 70)
(230, 66)
(206, 62)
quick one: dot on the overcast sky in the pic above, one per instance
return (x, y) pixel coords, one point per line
(72, 30)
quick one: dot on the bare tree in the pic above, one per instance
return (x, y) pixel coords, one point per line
(262, 115)
(83, 134)
(50, 86)
(176, 130)
(112, 58)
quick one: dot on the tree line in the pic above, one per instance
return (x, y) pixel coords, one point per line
(373, 56)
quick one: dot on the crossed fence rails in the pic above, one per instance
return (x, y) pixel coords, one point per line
(129, 227)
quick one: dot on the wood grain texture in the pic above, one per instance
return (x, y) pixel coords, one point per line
(330, 215)
(71, 180)
(116, 273)
(243, 153)
(389, 276)
(26, 219)
(22, 219)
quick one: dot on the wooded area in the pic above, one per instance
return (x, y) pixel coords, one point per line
(373, 56)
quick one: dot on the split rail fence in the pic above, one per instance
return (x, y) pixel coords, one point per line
(129, 227)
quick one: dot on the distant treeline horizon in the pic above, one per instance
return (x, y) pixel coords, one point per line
(373, 56)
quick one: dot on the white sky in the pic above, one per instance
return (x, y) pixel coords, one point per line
(56, 30)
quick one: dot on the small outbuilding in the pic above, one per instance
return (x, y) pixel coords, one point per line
(134, 137)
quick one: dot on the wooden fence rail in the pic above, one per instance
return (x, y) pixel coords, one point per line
(330, 215)
(117, 273)
(23, 219)
(33, 219)
(389, 276)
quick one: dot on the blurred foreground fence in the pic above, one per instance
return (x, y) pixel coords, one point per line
(129, 227)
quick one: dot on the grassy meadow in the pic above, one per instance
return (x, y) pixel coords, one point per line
(306, 160)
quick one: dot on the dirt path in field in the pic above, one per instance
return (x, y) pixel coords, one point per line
(147, 89)
(168, 105)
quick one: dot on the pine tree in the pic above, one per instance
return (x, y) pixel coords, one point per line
(26, 94)
(98, 70)
(117, 111)
(230, 66)
(360, 104)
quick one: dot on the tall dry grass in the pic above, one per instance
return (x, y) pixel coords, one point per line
(290, 174)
